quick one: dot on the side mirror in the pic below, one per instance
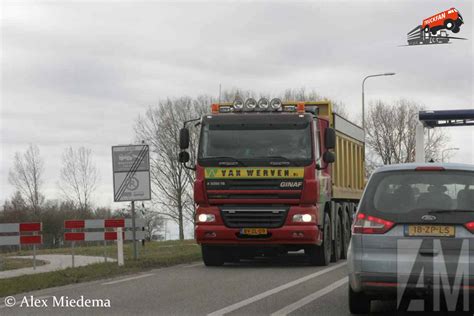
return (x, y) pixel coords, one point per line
(183, 138)
(330, 138)
(329, 157)
(183, 157)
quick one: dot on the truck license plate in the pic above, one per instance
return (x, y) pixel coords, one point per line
(431, 230)
(253, 231)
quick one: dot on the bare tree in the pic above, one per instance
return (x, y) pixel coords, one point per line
(172, 182)
(391, 133)
(78, 177)
(26, 176)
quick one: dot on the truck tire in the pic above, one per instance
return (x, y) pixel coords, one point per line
(426, 29)
(337, 242)
(346, 235)
(456, 29)
(359, 303)
(212, 256)
(449, 24)
(321, 255)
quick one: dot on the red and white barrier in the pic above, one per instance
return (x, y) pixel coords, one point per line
(98, 236)
(8, 239)
(103, 223)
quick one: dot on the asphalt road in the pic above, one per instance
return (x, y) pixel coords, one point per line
(288, 286)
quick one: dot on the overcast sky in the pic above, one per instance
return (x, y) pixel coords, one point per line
(79, 73)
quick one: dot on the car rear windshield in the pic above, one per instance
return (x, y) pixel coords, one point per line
(402, 192)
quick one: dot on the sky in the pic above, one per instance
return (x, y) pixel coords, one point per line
(79, 73)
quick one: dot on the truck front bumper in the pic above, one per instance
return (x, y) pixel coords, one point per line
(286, 235)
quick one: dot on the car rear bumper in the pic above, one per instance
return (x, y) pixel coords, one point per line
(389, 284)
(286, 235)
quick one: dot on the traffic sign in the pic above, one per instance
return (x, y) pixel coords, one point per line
(131, 168)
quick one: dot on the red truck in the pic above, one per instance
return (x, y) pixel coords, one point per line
(450, 19)
(273, 177)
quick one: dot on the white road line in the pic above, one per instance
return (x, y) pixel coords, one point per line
(128, 279)
(308, 299)
(193, 265)
(283, 287)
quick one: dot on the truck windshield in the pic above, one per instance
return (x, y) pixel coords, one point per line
(285, 142)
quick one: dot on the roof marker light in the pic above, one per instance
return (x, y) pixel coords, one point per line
(214, 108)
(300, 107)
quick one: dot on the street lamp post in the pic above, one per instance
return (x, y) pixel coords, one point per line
(363, 96)
(447, 149)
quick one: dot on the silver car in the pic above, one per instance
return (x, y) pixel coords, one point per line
(413, 238)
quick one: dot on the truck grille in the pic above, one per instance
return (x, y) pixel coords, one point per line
(254, 217)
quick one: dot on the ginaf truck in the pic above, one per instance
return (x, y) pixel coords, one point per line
(273, 177)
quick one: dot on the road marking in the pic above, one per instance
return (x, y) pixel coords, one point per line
(308, 299)
(129, 279)
(283, 287)
(193, 265)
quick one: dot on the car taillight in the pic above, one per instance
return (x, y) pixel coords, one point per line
(366, 224)
(470, 227)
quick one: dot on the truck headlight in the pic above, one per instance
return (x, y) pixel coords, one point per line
(206, 218)
(302, 218)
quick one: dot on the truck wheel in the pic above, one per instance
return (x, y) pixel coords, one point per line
(456, 29)
(346, 236)
(337, 242)
(427, 29)
(359, 303)
(449, 24)
(321, 255)
(212, 256)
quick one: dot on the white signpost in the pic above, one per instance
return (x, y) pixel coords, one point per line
(131, 168)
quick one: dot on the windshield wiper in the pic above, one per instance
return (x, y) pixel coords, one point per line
(227, 158)
(279, 157)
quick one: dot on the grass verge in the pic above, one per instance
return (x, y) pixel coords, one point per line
(153, 255)
(7, 263)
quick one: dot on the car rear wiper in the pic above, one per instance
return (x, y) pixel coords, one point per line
(226, 157)
(447, 211)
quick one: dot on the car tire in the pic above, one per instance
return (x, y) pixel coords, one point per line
(346, 236)
(337, 242)
(321, 255)
(212, 256)
(359, 303)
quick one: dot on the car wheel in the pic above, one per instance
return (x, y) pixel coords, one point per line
(359, 303)
(346, 236)
(321, 255)
(212, 256)
(337, 242)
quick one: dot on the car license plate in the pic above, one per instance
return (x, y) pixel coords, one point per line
(254, 231)
(431, 230)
